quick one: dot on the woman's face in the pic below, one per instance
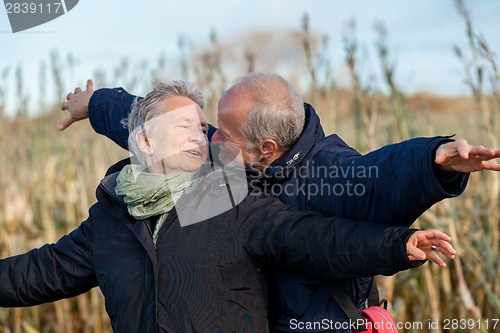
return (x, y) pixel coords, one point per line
(177, 136)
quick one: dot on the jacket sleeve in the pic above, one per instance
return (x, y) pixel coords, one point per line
(328, 248)
(50, 273)
(108, 108)
(393, 185)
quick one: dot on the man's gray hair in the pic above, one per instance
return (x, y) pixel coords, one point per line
(277, 113)
(146, 109)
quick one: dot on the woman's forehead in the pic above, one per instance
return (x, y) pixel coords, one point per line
(169, 116)
(181, 105)
(176, 102)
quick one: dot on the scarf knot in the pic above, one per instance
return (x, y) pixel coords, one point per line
(149, 194)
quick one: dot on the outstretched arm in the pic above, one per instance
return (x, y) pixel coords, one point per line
(333, 248)
(394, 184)
(398, 182)
(51, 273)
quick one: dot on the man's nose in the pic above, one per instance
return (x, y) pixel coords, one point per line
(217, 138)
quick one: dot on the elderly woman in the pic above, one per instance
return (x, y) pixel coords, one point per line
(162, 268)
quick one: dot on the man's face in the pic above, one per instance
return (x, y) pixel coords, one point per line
(232, 112)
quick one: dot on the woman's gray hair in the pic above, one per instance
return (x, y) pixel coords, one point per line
(277, 113)
(145, 109)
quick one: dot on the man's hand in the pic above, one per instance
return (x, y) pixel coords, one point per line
(77, 104)
(460, 156)
(426, 244)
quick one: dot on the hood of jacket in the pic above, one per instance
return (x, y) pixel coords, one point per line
(311, 134)
(311, 141)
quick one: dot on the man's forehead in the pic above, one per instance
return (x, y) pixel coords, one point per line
(237, 101)
(230, 121)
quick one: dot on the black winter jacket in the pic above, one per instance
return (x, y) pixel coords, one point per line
(204, 277)
(392, 185)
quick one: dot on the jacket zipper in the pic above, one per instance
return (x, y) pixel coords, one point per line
(148, 226)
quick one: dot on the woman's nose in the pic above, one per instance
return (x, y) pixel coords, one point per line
(198, 136)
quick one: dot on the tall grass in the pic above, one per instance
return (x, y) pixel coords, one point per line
(48, 184)
(48, 179)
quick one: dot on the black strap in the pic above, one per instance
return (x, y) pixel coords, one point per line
(347, 306)
(374, 298)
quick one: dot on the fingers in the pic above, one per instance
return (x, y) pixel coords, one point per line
(66, 105)
(462, 148)
(442, 152)
(441, 241)
(418, 254)
(65, 123)
(415, 252)
(435, 234)
(435, 258)
(90, 85)
(427, 244)
(76, 91)
(446, 249)
(491, 165)
(448, 150)
(460, 156)
(481, 151)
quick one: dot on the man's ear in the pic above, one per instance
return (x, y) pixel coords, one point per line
(144, 143)
(268, 148)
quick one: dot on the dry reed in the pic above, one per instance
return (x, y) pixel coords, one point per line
(48, 179)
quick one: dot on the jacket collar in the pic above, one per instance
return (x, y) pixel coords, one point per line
(311, 134)
(108, 185)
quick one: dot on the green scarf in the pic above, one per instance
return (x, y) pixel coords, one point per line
(149, 194)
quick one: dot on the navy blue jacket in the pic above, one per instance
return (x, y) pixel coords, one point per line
(393, 185)
(204, 277)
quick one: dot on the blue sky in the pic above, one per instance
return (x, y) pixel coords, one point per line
(100, 33)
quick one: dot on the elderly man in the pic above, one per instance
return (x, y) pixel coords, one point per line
(281, 139)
